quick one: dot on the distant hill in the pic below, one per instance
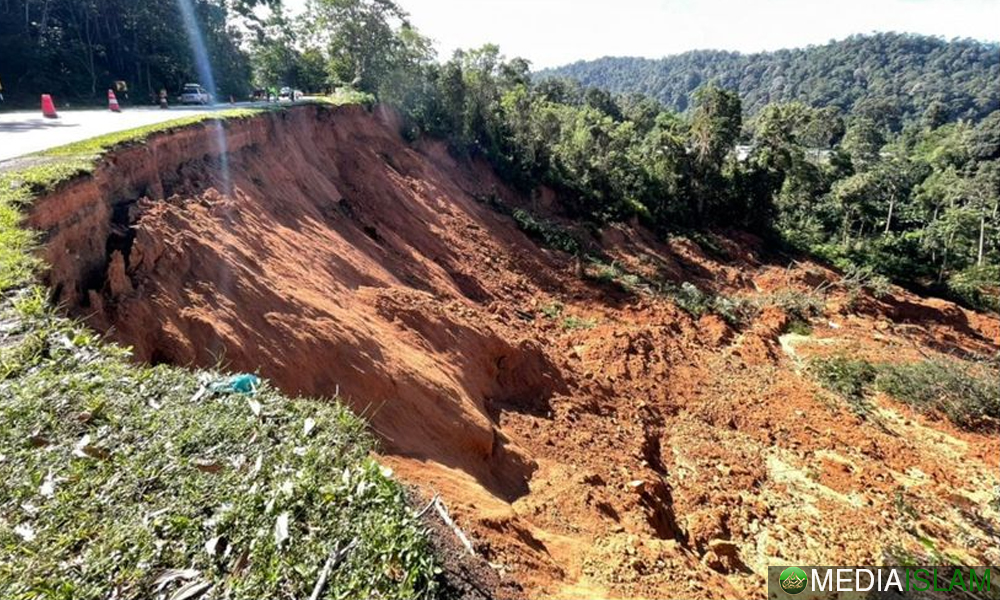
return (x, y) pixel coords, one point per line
(906, 74)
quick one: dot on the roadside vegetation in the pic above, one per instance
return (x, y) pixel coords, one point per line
(139, 482)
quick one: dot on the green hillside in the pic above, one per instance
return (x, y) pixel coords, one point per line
(910, 75)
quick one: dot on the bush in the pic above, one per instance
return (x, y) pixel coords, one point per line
(798, 305)
(799, 327)
(613, 274)
(549, 234)
(848, 377)
(734, 310)
(977, 287)
(552, 311)
(969, 395)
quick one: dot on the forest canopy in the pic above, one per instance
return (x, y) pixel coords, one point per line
(907, 76)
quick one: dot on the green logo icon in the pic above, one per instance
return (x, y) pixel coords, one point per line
(793, 580)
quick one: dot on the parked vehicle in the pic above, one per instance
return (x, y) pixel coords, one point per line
(195, 94)
(290, 94)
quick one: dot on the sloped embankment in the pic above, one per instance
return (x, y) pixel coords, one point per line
(593, 438)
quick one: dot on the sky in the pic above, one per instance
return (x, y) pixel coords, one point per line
(555, 32)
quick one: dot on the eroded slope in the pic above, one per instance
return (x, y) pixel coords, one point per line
(596, 441)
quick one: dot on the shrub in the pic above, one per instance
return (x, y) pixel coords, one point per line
(848, 378)
(845, 376)
(552, 311)
(734, 310)
(547, 233)
(857, 280)
(977, 287)
(799, 327)
(969, 395)
(613, 274)
(799, 305)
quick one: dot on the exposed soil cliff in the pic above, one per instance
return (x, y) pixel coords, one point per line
(634, 451)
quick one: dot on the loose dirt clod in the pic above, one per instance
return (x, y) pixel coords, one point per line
(654, 452)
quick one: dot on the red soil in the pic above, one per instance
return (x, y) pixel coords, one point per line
(653, 455)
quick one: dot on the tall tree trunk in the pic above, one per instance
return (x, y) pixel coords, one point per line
(892, 209)
(944, 260)
(982, 237)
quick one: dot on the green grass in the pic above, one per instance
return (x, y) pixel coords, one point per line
(552, 311)
(115, 477)
(575, 323)
(168, 472)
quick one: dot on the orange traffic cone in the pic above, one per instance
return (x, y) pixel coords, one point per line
(48, 107)
(113, 102)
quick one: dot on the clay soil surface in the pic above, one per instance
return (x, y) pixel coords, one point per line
(594, 441)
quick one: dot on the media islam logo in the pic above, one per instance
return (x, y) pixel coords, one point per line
(793, 580)
(957, 581)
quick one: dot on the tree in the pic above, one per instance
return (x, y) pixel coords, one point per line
(76, 49)
(983, 191)
(863, 141)
(362, 39)
(715, 127)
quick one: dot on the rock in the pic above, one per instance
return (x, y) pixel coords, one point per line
(119, 283)
(723, 547)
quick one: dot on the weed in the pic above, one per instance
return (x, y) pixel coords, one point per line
(552, 311)
(574, 322)
(799, 327)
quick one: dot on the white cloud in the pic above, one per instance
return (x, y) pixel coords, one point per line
(554, 32)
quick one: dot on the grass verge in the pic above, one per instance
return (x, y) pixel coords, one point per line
(133, 482)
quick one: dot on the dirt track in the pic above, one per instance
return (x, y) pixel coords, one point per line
(645, 454)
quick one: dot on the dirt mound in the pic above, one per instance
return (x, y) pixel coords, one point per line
(594, 442)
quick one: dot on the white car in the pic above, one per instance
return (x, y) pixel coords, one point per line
(195, 94)
(289, 94)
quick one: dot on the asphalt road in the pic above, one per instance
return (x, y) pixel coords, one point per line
(26, 132)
